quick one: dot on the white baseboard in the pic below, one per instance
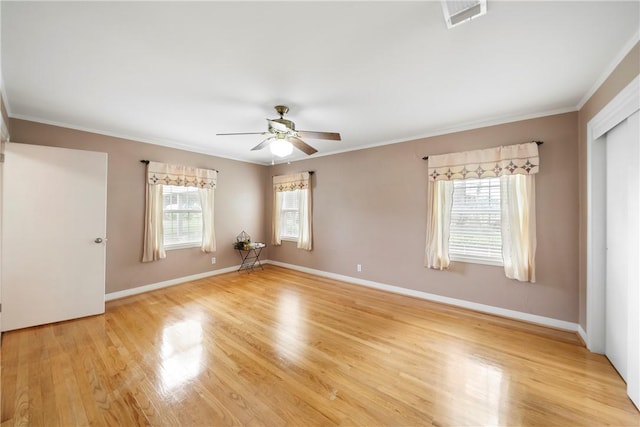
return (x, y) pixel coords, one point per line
(583, 335)
(167, 283)
(517, 315)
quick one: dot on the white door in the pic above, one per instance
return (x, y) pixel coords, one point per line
(53, 210)
(617, 248)
(622, 317)
(2, 143)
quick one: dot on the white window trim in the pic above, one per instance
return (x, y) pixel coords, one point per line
(182, 246)
(476, 261)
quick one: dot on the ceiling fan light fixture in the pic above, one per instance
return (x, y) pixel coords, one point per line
(281, 147)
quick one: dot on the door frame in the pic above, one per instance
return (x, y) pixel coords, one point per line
(625, 104)
(617, 110)
(4, 139)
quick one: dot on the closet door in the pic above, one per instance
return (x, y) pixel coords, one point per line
(617, 248)
(622, 259)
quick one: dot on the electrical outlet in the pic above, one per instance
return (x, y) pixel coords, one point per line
(359, 268)
(213, 260)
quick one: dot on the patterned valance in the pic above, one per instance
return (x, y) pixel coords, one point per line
(518, 159)
(184, 176)
(296, 181)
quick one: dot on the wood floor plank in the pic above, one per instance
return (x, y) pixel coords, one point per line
(279, 347)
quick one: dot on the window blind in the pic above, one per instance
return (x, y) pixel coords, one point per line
(182, 215)
(290, 215)
(475, 231)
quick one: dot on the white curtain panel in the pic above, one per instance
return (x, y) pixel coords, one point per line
(159, 174)
(298, 181)
(518, 207)
(153, 247)
(305, 208)
(440, 199)
(275, 218)
(208, 232)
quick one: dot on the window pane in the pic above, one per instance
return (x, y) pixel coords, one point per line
(182, 220)
(290, 224)
(290, 200)
(475, 232)
(289, 215)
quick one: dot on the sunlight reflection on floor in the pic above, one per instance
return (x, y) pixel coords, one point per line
(181, 353)
(292, 327)
(482, 383)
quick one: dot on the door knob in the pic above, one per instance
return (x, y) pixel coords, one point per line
(100, 240)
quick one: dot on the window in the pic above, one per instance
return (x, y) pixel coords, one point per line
(182, 217)
(493, 214)
(291, 218)
(179, 209)
(475, 229)
(289, 215)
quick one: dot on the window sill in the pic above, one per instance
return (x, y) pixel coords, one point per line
(477, 261)
(289, 239)
(182, 246)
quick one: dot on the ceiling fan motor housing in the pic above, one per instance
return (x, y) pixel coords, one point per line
(288, 124)
(291, 126)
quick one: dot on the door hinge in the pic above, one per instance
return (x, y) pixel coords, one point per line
(1, 157)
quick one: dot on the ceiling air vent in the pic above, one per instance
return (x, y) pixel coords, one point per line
(458, 12)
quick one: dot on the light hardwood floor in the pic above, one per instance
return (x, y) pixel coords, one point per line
(279, 347)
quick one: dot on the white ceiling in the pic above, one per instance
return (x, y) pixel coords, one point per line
(177, 73)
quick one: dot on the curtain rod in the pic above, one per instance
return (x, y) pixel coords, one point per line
(146, 162)
(537, 142)
(310, 173)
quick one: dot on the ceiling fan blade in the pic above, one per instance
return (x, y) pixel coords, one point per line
(301, 145)
(262, 144)
(242, 133)
(333, 136)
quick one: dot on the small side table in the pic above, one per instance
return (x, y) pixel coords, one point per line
(251, 257)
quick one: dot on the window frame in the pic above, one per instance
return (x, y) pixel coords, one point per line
(456, 256)
(181, 245)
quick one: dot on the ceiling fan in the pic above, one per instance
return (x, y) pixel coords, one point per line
(283, 135)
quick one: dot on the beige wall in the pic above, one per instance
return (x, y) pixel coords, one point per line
(238, 204)
(370, 209)
(624, 73)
